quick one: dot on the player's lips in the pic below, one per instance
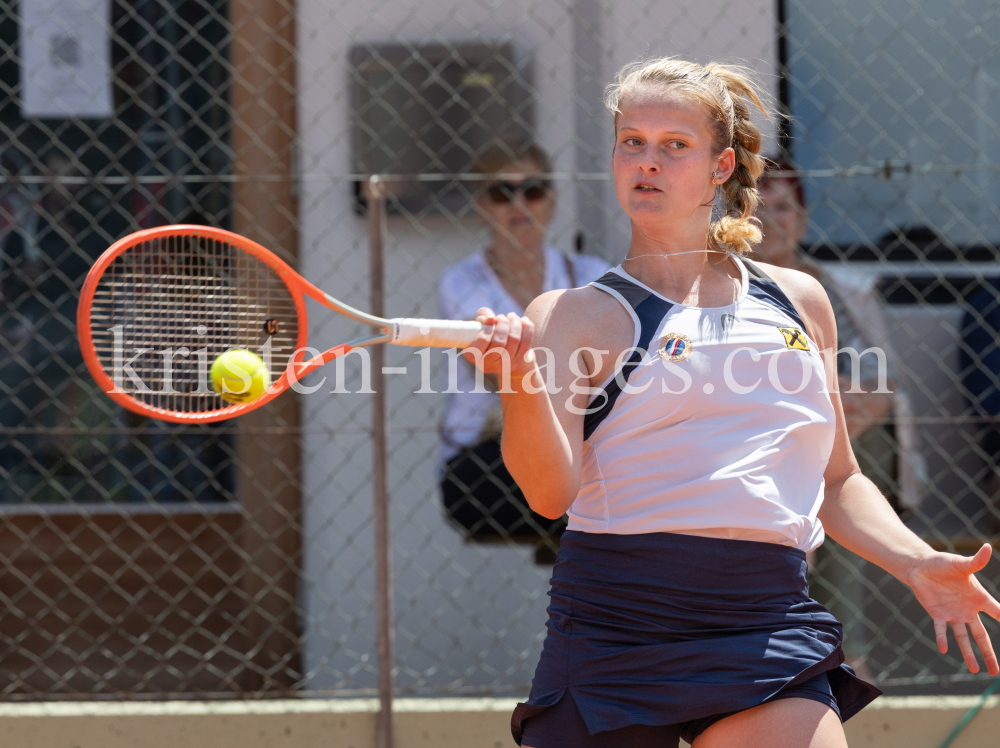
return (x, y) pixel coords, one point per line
(646, 187)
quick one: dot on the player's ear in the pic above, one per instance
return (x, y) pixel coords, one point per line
(726, 164)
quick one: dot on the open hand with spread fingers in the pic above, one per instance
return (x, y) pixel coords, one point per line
(945, 584)
(503, 348)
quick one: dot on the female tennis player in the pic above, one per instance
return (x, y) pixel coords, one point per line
(689, 431)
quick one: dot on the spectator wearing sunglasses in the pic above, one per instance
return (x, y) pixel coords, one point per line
(480, 497)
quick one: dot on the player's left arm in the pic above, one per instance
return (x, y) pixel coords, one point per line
(856, 515)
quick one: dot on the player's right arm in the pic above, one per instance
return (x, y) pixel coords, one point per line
(543, 426)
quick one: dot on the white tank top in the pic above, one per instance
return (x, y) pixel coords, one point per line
(718, 424)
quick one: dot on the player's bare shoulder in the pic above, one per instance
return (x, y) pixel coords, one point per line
(810, 299)
(579, 317)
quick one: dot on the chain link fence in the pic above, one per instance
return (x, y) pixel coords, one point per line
(143, 559)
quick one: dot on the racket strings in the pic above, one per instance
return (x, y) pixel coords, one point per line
(168, 307)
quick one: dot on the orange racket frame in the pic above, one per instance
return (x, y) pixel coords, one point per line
(411, 332)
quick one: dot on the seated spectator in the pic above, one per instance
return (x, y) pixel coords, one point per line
(879, 424)
(479, 494)
(979, 363)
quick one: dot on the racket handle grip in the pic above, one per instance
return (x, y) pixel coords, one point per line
(438, 333)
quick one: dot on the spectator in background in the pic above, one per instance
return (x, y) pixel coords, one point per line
(517, 265)
(979, 362)
(882, 433)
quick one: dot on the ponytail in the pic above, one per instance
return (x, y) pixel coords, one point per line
(737, 229)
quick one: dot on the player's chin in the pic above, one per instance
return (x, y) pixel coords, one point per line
(646, 198)
(638, 209)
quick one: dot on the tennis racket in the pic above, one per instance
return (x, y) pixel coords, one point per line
(159, 306)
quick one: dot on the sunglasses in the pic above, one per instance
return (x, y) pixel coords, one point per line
(533, 190)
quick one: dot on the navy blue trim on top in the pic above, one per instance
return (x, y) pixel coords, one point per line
(650, 309)
(763, 287)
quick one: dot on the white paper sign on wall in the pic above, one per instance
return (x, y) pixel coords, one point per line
(66, 58)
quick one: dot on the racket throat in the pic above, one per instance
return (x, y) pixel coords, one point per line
(298, 369)
(356, 314)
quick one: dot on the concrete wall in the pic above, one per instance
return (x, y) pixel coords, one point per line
(469, 617)
(908, 722)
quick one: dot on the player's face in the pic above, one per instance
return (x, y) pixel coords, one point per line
(783, 222)
(518, 206)
(664, 158)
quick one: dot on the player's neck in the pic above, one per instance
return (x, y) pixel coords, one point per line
(680, 266)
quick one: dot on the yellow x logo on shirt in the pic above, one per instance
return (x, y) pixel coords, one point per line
(795, 338)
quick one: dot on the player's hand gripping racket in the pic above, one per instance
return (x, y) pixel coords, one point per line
(161, 305)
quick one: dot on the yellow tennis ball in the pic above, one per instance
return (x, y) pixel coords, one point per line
(239, 376)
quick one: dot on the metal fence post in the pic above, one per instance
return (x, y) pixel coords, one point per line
(265, 209)
(380, 469)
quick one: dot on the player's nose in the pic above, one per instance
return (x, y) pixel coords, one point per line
(648, 164)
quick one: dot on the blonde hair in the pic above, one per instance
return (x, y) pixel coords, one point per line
(724, 91)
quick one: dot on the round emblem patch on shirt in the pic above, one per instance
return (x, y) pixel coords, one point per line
(675, 347)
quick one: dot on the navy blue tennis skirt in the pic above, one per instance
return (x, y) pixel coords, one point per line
(660, 629)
